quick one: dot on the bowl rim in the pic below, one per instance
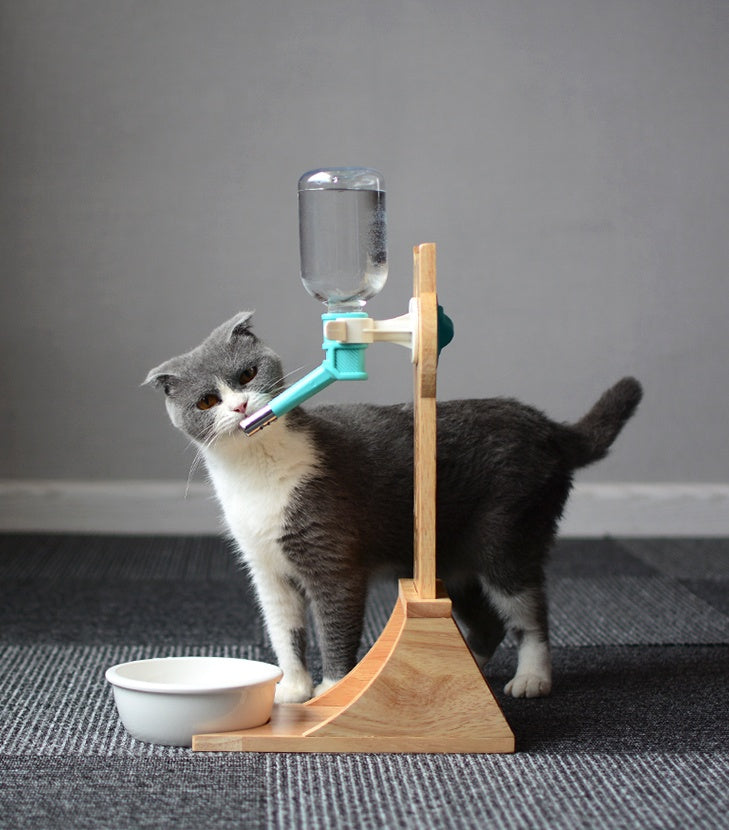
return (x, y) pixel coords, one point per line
(114, 677)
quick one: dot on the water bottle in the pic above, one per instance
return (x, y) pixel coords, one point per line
(343, 236)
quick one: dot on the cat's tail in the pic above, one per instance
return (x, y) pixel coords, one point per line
(594, 433)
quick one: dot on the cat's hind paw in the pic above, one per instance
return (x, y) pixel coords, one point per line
(529, 685)
(296, 690)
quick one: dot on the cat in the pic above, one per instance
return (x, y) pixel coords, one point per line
(322, 499)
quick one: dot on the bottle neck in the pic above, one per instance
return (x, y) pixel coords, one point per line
(335, 315)
(343, 309)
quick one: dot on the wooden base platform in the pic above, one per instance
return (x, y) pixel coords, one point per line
(417, 690)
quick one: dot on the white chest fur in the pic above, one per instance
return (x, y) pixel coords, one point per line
(254, 478)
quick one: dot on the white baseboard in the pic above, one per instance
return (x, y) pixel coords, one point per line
(655, 509)
(163, 507)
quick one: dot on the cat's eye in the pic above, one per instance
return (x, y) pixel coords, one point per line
(247, 375)
(208, 402)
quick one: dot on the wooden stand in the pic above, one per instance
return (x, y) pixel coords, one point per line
(418, 689)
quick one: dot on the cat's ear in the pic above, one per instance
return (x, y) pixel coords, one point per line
(165, 376)
(240, 325)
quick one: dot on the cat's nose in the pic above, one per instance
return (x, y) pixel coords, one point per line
(241, 407)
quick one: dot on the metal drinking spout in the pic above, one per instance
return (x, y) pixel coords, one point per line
(290, 398)
(258, 420)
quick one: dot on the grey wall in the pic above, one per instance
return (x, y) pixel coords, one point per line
(569, 157)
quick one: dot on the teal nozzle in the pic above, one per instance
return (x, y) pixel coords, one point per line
(342, 361)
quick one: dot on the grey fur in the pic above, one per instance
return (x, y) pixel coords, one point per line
(504, 475)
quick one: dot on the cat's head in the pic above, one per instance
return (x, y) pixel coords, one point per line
(212, 388)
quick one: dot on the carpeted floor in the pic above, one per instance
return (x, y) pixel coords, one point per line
(635, 733)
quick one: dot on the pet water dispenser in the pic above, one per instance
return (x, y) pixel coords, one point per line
(418, 689)
(343, 243)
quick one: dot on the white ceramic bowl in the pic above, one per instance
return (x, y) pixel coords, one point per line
(167, 700)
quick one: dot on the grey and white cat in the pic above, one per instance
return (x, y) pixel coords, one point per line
(321, 499)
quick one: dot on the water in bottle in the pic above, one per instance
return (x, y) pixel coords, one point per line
(343, 236)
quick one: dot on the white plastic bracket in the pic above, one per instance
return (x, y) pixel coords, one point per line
(400, 330)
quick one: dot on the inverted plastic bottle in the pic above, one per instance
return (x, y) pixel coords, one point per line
(343, 236)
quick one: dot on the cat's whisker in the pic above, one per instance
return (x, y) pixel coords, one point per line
(209, 438)
(196, 462)
(199, 458)
(205, 442)
(294, 371)
(280, 384)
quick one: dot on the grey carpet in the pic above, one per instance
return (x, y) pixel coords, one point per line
(635, 733)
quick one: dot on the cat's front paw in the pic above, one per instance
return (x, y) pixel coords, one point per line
(529, 685)
(324, 686)
(294, 690)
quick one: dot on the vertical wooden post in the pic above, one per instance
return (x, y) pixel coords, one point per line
(424, 389)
